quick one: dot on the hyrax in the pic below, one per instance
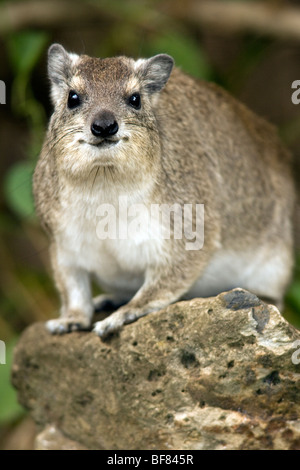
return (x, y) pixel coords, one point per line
(143, 134)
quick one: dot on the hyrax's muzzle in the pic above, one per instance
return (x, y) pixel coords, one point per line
(104, 125)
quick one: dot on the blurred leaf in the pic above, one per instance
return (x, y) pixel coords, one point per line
(9, 407)
(292, 298)
(293, 295)
(18, 189)
(186, 52)
(253, 52)
(25, 49)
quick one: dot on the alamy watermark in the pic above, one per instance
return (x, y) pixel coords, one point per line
(141, 222)
(2, 352)
(2, 92)
(296, 94)
(296, 354)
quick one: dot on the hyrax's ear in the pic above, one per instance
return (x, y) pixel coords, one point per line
(155, 72)
(60, 69)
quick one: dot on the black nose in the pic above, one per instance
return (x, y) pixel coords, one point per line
(104, 125)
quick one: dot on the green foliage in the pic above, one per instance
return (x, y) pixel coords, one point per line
(185, 50)
(293, 297)
(18, 188)
(24, 50)
(9, 408)
(252, 54)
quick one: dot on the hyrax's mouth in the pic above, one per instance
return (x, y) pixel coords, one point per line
(106, 143)
(102, 144)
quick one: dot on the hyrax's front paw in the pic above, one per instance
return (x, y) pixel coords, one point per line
(68, 324)
(114, 322)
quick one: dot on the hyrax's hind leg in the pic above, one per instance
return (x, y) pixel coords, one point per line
(272, 276)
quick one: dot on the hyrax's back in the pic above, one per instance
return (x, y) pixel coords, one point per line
(231, 160)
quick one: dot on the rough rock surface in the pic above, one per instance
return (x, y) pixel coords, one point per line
(217, 373)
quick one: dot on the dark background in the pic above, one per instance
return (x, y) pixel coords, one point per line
(252, 48)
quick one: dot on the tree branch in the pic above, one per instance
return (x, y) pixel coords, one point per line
(15, 16)
(258, 17)
(239, 17)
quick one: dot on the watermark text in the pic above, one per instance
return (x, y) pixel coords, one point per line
(2, 92)
(2, 352)
(140, 222)
(296, 354)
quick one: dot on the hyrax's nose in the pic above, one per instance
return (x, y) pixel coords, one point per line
(104, 125)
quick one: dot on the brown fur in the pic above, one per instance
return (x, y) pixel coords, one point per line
(191, 143)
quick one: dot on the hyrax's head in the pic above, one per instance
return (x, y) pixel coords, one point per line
(104, 112)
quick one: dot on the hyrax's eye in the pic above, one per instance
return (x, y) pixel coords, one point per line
(73, 99)
(135, 100)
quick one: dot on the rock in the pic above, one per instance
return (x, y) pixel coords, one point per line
(216, 373)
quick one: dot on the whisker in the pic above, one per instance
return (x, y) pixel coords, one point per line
(139, 125)
(69, 132)
(96, 174)
(52, 143)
